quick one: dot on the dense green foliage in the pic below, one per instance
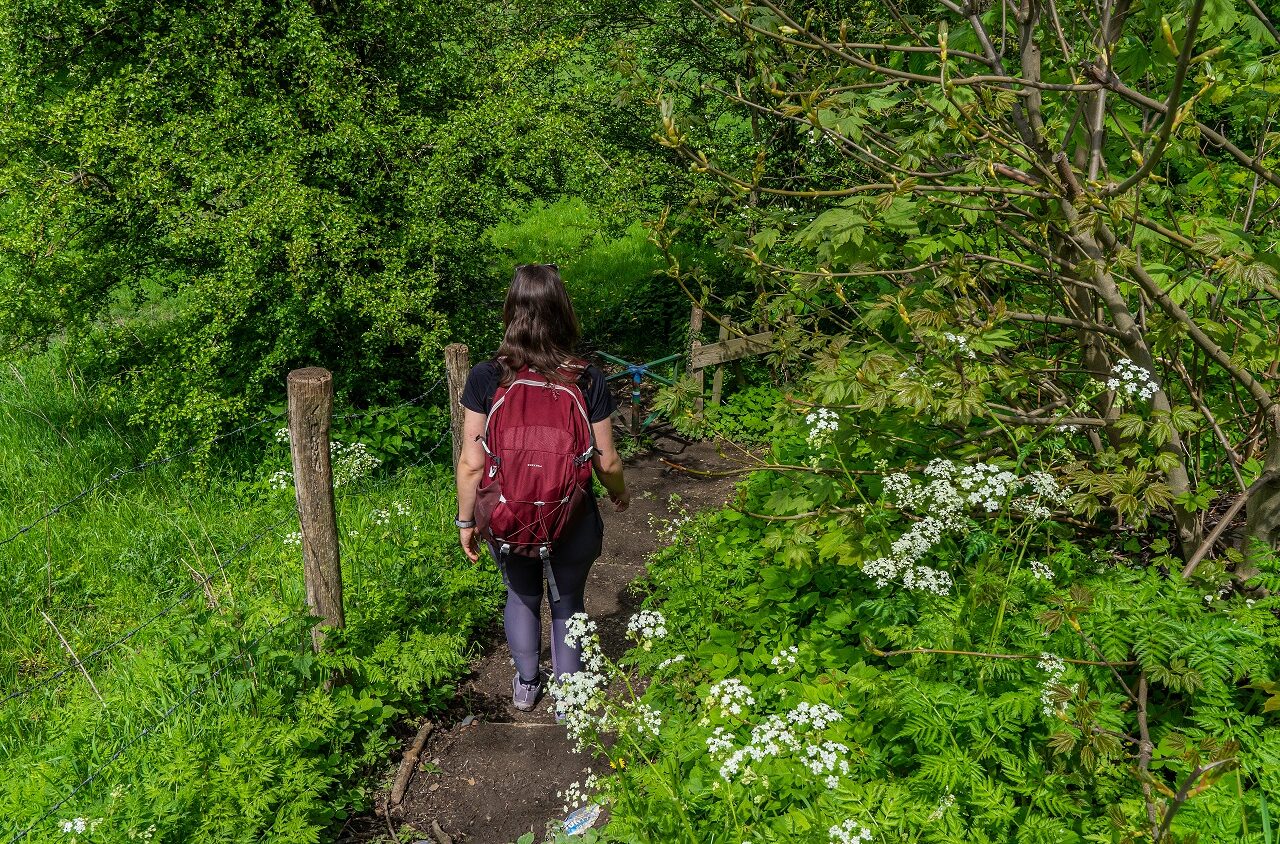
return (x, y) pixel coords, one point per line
(1007, 570)
(199, 200)
(1023, 539)
(940, 747)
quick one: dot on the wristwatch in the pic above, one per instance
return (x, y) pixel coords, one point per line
(465, 523)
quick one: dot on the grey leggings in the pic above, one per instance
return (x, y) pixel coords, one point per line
(571, 561)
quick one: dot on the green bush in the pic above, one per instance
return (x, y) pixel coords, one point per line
(199, 200)
(977, 712)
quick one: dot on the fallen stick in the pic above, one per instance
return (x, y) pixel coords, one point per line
(408, 764)
(439, 834)
(75, 660)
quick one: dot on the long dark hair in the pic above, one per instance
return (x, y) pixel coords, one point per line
(540, 328)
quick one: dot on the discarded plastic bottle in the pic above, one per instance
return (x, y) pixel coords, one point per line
(581, 819)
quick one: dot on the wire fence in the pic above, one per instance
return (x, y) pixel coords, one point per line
(157, 724)
(79, 663)
(359, 414)
(132, 470)
(86, 660)
(161, 461)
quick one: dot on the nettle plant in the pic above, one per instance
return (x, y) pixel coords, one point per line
(1035, 242)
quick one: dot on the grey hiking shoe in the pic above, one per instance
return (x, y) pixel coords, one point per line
(525, 696)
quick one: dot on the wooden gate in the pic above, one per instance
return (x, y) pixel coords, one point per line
(725, 349)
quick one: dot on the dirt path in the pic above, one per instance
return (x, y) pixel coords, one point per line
(491, 773)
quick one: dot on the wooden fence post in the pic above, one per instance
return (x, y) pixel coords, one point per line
(457, 363)
(695, 343)
(717, 380)
(310, 414)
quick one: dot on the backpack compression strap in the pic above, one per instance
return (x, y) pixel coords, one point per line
(526, 382)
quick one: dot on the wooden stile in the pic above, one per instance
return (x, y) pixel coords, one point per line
(724, 350)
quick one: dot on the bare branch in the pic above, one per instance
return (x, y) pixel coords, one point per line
(1172, 116)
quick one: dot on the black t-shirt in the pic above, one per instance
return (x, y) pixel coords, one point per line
(482, 383)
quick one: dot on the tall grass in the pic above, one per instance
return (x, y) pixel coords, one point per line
(210, 720)
(612, 273)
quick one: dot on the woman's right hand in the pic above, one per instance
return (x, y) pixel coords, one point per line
(470, 542)
(622, 500)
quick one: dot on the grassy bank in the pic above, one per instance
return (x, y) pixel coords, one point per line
(196, 710)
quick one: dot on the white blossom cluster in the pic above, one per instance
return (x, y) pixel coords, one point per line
(816, 715)
(825, 759)
(948, 493)
(1040, 570)
(380, 516)
(351, 462)
(781, 734)
(720, 742)
(961, 343)
(903, 564)
(1132, 380)
(75, 825)
(579, 696)
(731, 695)
(849, 832)
(822, 422)
(1044, 492)
(979, 484)
(648, 719)
(282, 435)
(579, 702)
(670, 661)
(785, 659)
(280, 479)
(1055, 668)
(293, 540)
(647, 625)
(401, 508)
(581, 633)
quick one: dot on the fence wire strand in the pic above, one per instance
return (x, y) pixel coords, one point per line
(36, 685)
(132, 470)
(375, 410)
(161, 461)
(97, 772)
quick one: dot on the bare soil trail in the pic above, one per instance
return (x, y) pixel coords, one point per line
(490, 773)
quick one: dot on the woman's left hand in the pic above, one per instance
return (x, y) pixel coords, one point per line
(470, 542)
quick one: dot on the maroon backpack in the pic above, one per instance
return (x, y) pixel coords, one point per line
(539, 443)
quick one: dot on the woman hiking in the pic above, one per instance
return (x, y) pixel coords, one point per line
(537, 424)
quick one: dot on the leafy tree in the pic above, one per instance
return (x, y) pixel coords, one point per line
(1008, 242)
(987, 200)
(200, 199)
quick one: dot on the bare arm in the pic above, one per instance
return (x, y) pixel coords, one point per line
(608, 465)
(470, 468)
